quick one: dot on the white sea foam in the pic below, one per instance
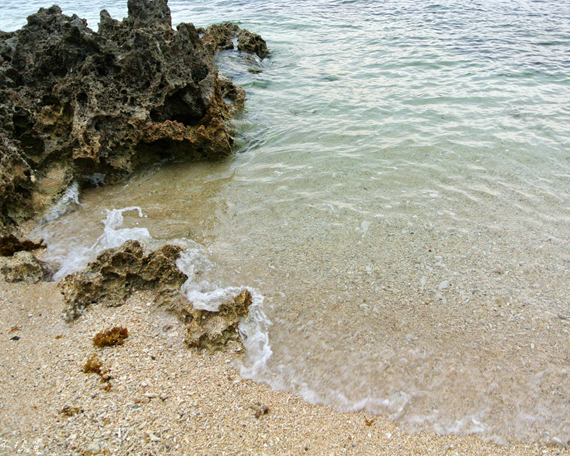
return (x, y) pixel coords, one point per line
(68, 201)
(113, 236)
(75, 259)
(255, 334)
(206, 294)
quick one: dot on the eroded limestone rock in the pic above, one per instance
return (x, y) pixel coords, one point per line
(213, 330)
(23, 266)
(252, 43)
(117, 273)
(221, 37)
(75, 103)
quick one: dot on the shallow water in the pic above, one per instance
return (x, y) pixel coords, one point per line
(400, 197)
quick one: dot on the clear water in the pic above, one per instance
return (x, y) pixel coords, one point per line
(401, 198)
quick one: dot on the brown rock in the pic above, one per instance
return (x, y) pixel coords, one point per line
(213, 330)
(75, 103)
(25, 267)
(220, 37)
(252, 43)
(11, 244)
(117, 273)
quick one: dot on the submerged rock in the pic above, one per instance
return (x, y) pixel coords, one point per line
(23, 266)
(117, 273)
(75, 103)
(221, 37)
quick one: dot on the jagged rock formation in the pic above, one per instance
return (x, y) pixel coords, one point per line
(78, 105)
(253, 43)
(117, 273)
(220, 37)
(213, 330)
(23, 266)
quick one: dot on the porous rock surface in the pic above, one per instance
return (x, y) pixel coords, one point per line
(221, 37)
(212, 330)
(117, 273)
(23, 266)
(76, 104)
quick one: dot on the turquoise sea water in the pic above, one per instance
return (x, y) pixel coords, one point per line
(401, 198)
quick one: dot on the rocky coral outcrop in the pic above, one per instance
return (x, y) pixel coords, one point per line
(252, 43)
(23, 266)
(117, 273)
(221, 37)
(75, 103)
(213, 330)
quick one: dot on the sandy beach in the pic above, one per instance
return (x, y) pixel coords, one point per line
(165, 398)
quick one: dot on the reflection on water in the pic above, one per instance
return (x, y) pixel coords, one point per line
(401, 197)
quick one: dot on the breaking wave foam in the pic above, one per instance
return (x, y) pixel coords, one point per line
(68, 200)
(72, 260)
(206, 294)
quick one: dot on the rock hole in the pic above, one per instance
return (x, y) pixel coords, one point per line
(182, 106)
(82, 97)
(24, 132)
